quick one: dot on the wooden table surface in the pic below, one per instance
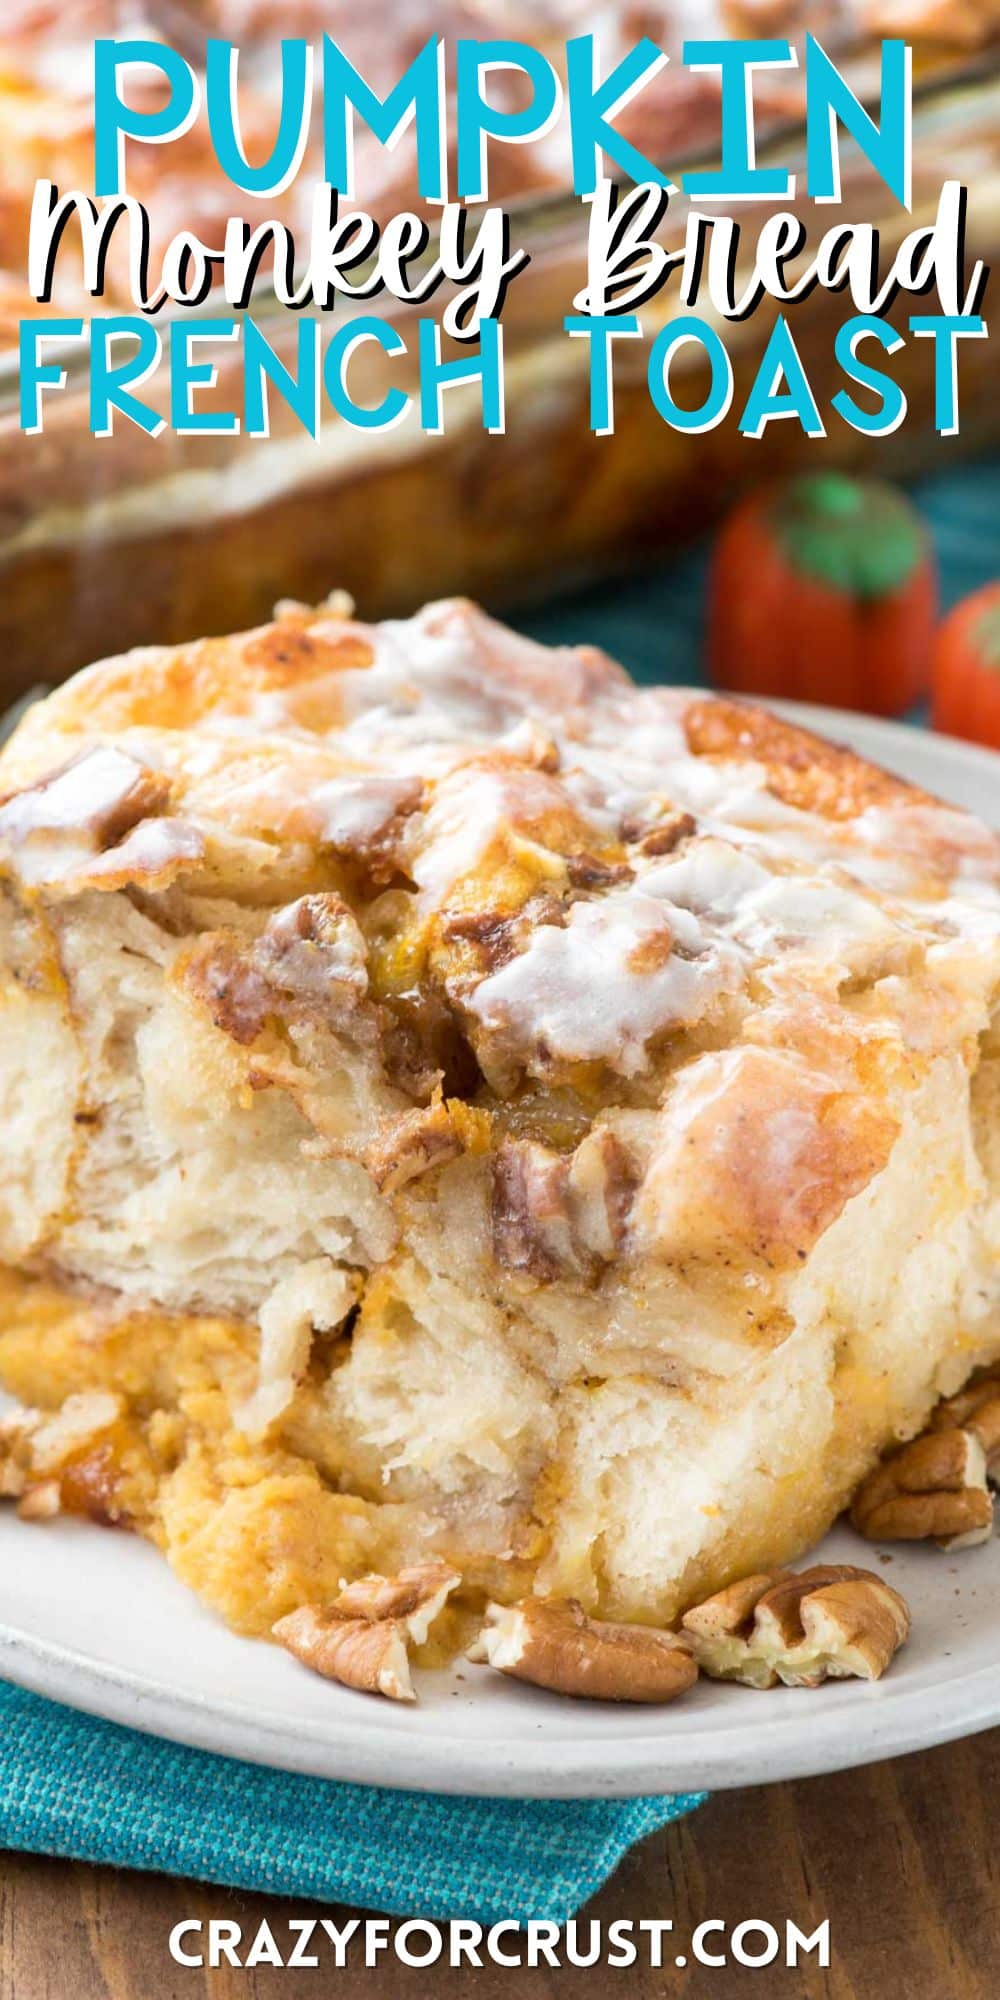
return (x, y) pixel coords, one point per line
(900, 1857)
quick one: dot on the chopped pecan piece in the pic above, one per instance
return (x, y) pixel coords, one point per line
(237, 997)
(561, 1215)
(62, 1461)
(313, 952)
(603, 1181)
(532, 1231)
(42, 1502)
(411, 1145)
(416, 1596)
(362, 1638)
(424, 1049)
(586, 871)
(555, 1645)
(15, 1457)
(663, 836)
(495, 934)
(309, 960)
(931, 1490)
(827, 1623)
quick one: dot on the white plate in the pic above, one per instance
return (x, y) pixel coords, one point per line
(97, 1620)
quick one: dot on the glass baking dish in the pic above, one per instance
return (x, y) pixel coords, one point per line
(120, 541)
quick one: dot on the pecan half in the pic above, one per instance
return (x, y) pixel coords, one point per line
(827, 1623)
(359, 1654)
(931, 1490)
(555, 1645)
(362, 1639)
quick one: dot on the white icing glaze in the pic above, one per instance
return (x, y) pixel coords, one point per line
(75, 800)
(491, 756)
(603, 986)
(353, 812)
(471, 806)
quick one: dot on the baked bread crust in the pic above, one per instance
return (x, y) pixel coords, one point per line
(463, 1106)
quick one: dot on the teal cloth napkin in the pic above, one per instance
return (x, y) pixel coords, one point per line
(73, 1785)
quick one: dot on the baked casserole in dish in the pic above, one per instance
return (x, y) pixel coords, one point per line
(221, 527)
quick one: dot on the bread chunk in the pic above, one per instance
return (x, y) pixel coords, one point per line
(465, 1108)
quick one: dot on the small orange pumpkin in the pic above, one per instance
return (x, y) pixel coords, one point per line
(824, 589)
(966, 669)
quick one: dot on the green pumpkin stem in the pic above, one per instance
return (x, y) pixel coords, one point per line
(858, 536)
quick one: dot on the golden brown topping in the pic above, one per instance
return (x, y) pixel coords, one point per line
(761, 1149)
(933, 1489)
(560, 1215)
(362, 1638)
(829, 1622)
(176, 687)
(555, 1645)
(804, 770)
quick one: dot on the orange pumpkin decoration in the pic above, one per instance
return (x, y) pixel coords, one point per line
(824, 589)
(966, 670)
